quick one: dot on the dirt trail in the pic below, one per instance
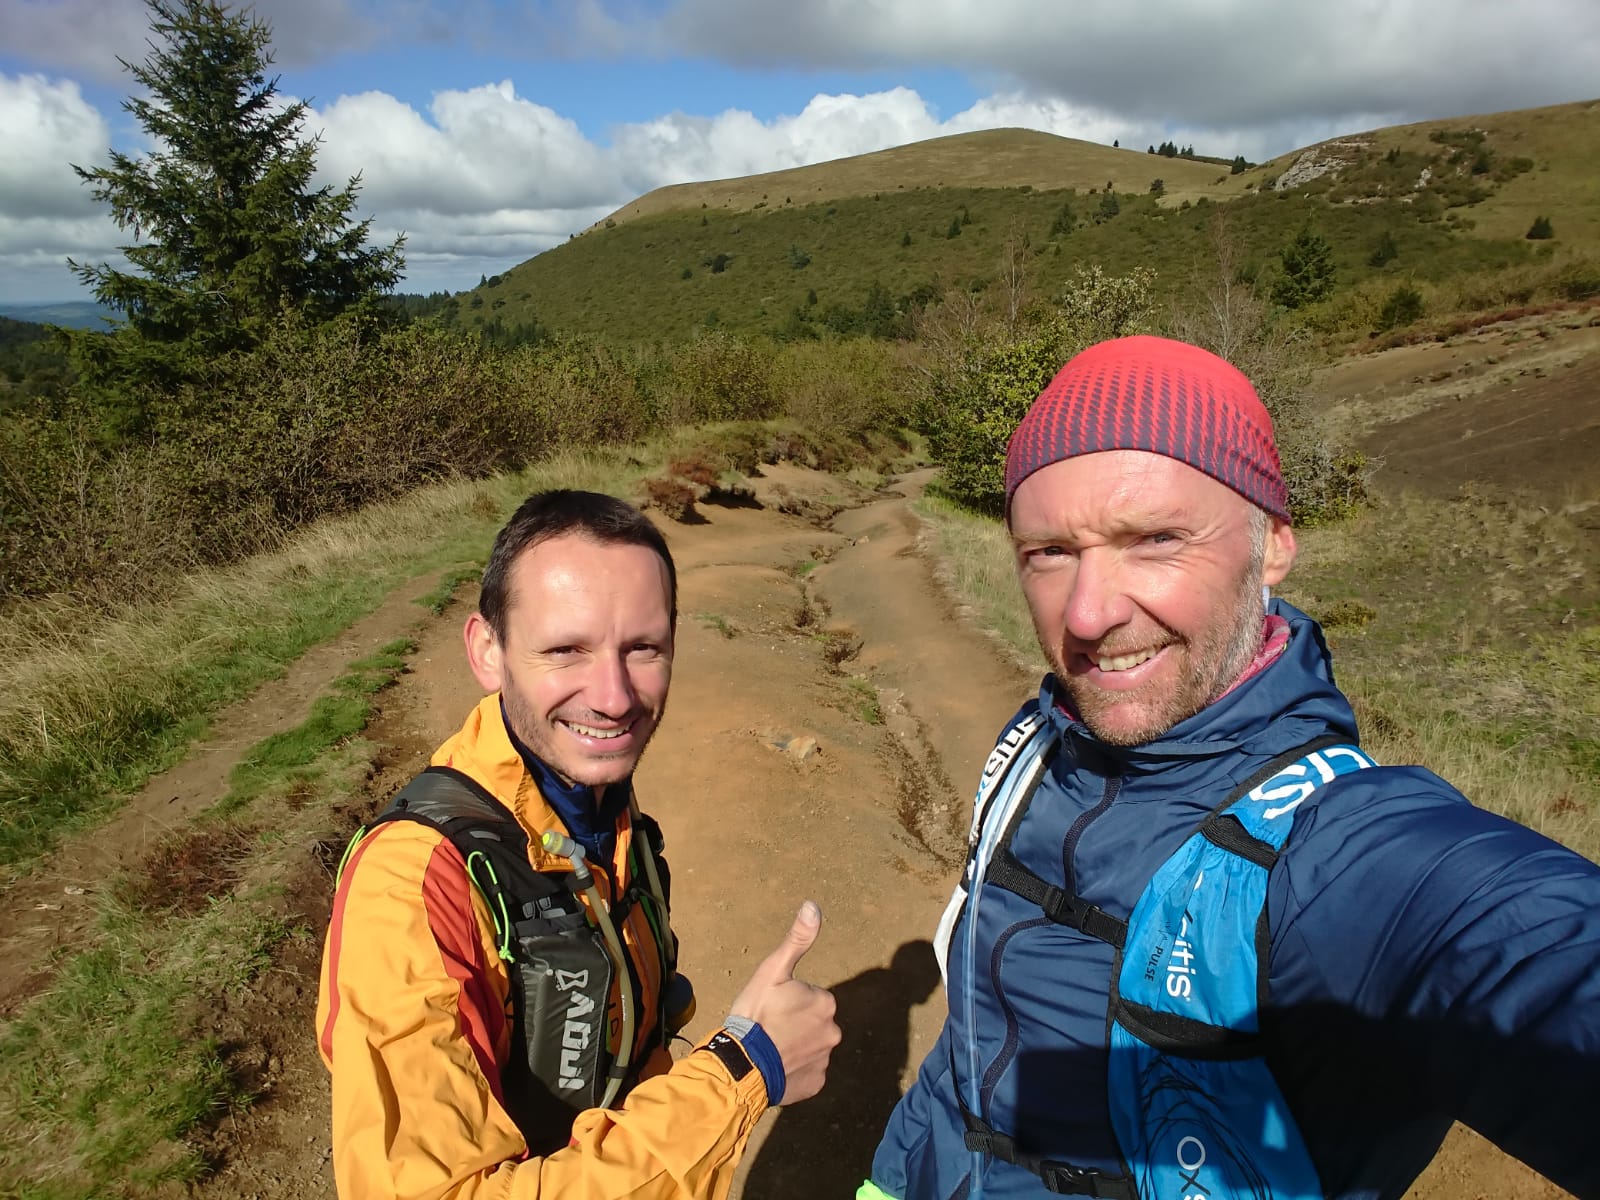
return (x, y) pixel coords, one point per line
(54, 905)
(773, 784)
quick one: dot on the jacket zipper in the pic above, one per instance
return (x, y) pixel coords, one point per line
(1069, 844)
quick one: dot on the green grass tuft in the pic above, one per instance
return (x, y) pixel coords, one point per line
(340, 714)
(864, 700)
(439, 599)
(104, 1079)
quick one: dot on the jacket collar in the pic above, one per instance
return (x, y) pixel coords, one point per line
(485, 749)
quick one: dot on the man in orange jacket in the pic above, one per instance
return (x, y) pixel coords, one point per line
(498, 982)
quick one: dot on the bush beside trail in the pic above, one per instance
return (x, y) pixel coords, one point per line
(318, 421)
(986, 377)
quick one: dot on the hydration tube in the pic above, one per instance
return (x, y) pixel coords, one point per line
(669, 942)
(564, 847)
(996, 820)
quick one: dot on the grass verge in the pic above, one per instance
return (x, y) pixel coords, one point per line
(104, 1078)
(977, 567)
(110, 1074)
(439, 599)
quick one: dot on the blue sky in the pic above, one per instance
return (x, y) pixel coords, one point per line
(488, 131)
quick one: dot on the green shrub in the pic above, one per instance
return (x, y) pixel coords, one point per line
(985, 383)
(1540, 229)
(1578, 279)
(973, 409)
(1403, 306)
(720, 377)
(1384, 252)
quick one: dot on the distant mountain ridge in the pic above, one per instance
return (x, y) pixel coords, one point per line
(72, 314)
(855, 243)
(981, 159)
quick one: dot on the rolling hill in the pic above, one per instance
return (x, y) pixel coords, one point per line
(791, 252)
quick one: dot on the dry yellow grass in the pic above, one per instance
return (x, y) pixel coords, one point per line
(995, 158)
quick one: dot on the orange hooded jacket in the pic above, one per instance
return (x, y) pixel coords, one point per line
(413, 1022)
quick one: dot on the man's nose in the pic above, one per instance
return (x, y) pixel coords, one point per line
(610, 688)
(1099, 600)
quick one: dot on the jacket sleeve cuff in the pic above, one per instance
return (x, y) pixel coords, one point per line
(758, 1046)
(744, 1049)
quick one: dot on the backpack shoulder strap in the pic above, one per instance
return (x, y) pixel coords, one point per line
(1012, 771)
(490, 840)
(1250, 822)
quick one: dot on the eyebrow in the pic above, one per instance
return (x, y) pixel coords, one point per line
(1164, 519)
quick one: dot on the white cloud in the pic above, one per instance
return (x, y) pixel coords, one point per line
(677, 148)
(1213, 64)
(46, 213)
(476, 151)
(49, 126)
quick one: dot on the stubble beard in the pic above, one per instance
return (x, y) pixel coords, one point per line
(538, 737)
(1211, 666)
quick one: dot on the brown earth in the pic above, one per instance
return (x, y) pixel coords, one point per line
(829, 713)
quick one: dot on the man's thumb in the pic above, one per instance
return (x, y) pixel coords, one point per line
(802, 934)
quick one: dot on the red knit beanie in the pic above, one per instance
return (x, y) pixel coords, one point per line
(1158, 395)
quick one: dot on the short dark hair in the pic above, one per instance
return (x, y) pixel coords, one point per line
(553, 514)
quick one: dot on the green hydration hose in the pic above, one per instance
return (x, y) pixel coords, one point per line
(657, 895)
(564, 847)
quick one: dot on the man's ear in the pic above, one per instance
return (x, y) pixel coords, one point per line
(485, 655)
(1280, 552)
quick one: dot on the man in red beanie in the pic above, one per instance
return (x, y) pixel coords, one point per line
(1155, 991)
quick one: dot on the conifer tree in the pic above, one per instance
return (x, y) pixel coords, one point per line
(229, 233)
(1307, 270)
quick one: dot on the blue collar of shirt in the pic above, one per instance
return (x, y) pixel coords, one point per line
(593, 826)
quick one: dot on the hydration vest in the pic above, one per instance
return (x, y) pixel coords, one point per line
(1196, 1111)
(560, 972)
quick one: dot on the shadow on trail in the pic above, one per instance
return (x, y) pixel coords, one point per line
(824, 1146)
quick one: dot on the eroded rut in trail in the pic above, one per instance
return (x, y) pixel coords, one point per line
(829, 714)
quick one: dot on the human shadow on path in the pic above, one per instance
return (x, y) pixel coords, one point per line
(824, 1147)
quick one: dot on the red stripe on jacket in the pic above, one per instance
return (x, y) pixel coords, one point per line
(447, 897)
(335, 943)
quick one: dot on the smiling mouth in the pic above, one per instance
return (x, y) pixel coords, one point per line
(1112, 663)
(593, 731)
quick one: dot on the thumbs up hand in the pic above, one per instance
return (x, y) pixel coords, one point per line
(795, 1015)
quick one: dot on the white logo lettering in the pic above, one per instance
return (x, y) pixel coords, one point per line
(1282, 786)
(575, 1033)
(1292, 787)
(1191, 1157)
(1181, 965)
(567, 980)
(570, 1079)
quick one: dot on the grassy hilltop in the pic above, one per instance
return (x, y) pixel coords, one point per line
(772, 253)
